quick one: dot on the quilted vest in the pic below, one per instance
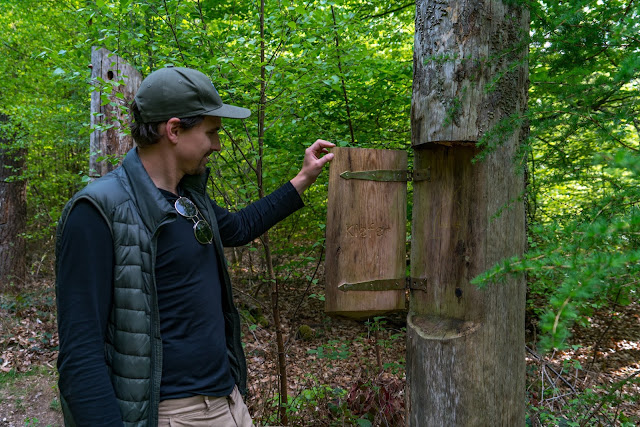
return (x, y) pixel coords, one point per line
(135, 210)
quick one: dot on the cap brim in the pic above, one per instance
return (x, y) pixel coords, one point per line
(229, 111)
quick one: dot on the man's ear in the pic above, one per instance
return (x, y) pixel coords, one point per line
(172, 129)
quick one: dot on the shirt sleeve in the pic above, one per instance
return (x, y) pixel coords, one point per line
(239, 228)
(84, 301)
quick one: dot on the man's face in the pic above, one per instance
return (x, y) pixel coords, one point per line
(196, 145)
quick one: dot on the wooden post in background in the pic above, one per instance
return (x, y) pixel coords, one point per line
(465, 347)
(366, 228)
(117, 83)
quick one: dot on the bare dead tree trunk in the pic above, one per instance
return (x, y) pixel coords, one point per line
(109, 114)
(282, 361)
(465, 346)
(13, 210)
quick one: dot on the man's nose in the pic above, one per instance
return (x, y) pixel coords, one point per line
(215, 143)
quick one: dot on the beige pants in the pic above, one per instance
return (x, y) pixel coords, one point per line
(205, 411)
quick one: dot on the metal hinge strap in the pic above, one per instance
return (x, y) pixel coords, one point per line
(417, 284)
(389, 175)
(385, 285)
(422, 175)
(374, 285)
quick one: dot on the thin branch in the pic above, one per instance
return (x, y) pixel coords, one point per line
(389, 12)
(304, 294)
(603, 400)
(235, 143)
(170, 24)
(344, 87)
(597, 123)
(547, 365)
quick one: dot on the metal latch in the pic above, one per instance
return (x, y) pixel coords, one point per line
(389, 175)
(386, 285)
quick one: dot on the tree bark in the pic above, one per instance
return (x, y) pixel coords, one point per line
(109, 116)
(13, 210)
(465, 346)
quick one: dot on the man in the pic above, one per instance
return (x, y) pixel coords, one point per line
(149, 334)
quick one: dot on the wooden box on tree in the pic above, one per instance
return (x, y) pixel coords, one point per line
(465, 346)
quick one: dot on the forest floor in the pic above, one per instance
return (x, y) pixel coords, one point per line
(337, 374)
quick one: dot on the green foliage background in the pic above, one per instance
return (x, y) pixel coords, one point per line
(583, 162)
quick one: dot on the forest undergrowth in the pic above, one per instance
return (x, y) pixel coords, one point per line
(341, 372)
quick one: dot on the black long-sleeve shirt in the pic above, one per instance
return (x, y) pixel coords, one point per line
(188, 284)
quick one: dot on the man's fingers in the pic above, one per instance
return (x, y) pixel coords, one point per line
(326, 158)
(321, 145)
(315, 157)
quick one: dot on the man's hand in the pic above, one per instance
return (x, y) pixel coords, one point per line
(315, 157)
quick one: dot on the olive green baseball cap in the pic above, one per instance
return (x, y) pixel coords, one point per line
(181, 92)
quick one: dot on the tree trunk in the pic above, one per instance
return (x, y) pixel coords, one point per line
(13, 211)
(344, 85)
(275, 291)
(465, 346)
(109, 115)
